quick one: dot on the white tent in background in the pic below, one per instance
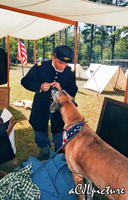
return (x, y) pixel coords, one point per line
(79, 71)
(106, 74)
(92, 68)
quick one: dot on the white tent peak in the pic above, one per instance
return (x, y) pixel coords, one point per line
(80, 73)
(92, 68)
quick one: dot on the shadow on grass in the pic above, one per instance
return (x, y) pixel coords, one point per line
(81, 79)
(81, 92)
(15, 67)
(12, 68)
(116, 92)
(18, 115)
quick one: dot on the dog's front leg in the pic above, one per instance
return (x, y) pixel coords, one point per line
(78, 180)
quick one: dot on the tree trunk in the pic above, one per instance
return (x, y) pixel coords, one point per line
(91, 43)
(66, 36)
(102, 44)
(43, 48)
(113, 38)
(60, 37)
(78, 47)
(4, 46)
(101, 51)
(53, 42)
(113, 43)
(28, 53)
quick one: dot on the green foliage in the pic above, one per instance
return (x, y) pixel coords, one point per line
(103, 38)
(121, 48)
(83, 63)
(106, 40)
(102, 42)
(1, 43)
(30, 50)
(13, 44)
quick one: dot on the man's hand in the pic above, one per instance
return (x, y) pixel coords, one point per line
(57, 85)
(45, 86)
(12, 123)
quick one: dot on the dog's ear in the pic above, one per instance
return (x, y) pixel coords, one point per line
(73, 101)
(55, 106)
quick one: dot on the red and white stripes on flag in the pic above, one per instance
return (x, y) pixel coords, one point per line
(21, 52)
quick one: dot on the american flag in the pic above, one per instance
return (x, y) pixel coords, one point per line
(21, 52)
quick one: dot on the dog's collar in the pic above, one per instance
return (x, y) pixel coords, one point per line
(72, 131)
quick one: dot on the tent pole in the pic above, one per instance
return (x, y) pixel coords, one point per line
(41, 15)
(8, 66)
(34, 51)
(75, 53)
(22, 68)
(8, 61)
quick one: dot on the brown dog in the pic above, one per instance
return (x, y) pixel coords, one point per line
(87, 155)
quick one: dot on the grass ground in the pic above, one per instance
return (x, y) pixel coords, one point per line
(89, 105)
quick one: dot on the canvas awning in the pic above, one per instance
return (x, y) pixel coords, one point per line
(30, 19)
(28, 27)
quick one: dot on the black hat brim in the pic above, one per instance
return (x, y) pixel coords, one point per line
(67, 60)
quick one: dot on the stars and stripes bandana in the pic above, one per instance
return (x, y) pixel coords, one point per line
(71, 132)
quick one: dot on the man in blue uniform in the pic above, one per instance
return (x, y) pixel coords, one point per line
(41, 78)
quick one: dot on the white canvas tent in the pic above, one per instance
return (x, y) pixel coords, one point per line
(106, 74)
(92, 68)
(79, 71)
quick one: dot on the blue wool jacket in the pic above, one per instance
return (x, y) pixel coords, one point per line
(42, 100)
(54, 179)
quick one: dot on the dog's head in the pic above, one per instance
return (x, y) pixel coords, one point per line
(67, 107)
(59, 98)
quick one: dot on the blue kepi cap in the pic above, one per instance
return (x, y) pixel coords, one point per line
(63, 53)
